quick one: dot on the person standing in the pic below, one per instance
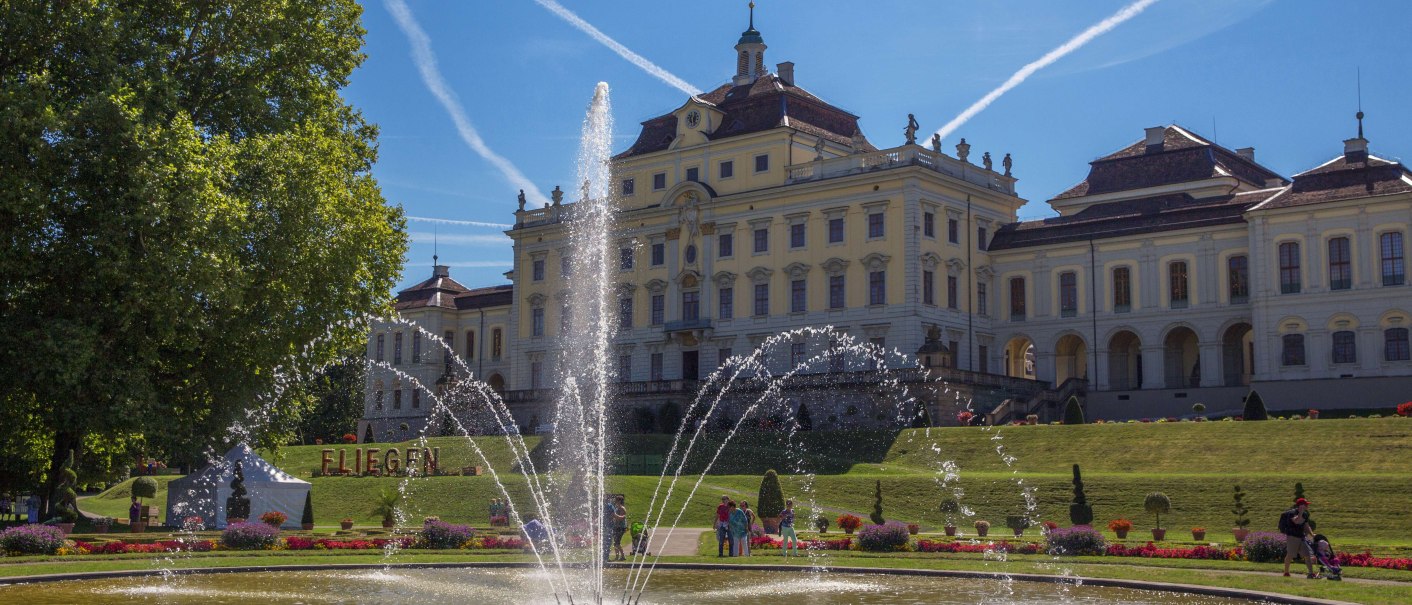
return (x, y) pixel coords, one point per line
(620, 525)
(787, 536)
(749, 525)
(724, 544)
(740, 531)
(1295, 526)
(134, 511)
(606, 530)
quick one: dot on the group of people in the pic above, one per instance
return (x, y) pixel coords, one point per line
(499, 513)
(13, 509)
(734, 523)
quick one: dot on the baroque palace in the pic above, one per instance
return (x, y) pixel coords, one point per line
(1177, 272)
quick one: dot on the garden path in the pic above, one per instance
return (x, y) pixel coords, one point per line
(682, 543)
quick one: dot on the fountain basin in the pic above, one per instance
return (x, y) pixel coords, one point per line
(502, 583)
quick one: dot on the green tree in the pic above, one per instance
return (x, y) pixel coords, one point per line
(308, 517)
(1080, 512)
(334, 400)
(1238, 509)
(1255, 407)
(1157, 503)
(185, 202)
(877, 516)
(144, 487)
(770, 500)
(1073, 411)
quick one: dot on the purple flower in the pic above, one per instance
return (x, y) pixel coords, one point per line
(32, 540)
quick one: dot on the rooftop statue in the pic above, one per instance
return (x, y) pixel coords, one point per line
(1007, 163)
(911, 130)
(936, 143)
(963, 150)
(985, 159)
(522, 200)
(557, 194)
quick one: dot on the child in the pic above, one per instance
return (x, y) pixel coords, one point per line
(1328, 561)
(640, 536)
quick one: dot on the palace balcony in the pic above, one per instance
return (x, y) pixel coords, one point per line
(900, 157)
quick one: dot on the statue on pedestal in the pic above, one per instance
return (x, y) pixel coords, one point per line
(1007, 163)
(819, 149)
(911, 130)
(557, 195)
(985, 160)
(963, 150)
(522, 200)
(936, 143)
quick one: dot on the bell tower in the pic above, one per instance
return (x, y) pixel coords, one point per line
(749, 54)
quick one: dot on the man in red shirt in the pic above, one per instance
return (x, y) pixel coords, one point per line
(724, 543)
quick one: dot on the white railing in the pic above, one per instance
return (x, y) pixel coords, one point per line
(907, 155)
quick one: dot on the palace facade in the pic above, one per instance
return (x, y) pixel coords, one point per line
(1177, 272)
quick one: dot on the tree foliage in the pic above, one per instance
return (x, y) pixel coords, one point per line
(333, 400)
(877, 515)
(770, 500)
(185, 202)
(144, 487)
(1157, 503)
(1238, 508)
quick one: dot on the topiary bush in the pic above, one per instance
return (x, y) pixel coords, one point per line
(144, 487)
(1157, 503)
(877, 515)
(31, 540)
(307, 517)
(1080, 513)
(443, 535)
(1264, 547)
(1239, 509)
(237, 505)
(1075, 541)
(1255, 407)
(887, 537)
(249, 536)
(1073, 411)
(770, 501)
(65, 500)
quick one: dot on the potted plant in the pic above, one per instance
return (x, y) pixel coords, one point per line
(849, 523)
(103, 525)
(1240, 512)
(274, 519)
(386, 507)
(1198, 533)
(345, 523)
(770, 503)
(1200, 410)
(1017, 524)
(982, 527)
(913, 528)
(1158, 503)
(1032, 419)
(1313, 414)
(949, 508)
(306, 520)
(821, 523)
(1121, 527)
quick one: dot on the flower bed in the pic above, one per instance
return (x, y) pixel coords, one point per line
(31, 540)
(891, 536)
(1197, 552)
(1023, 548)
(768, 542)
(250, 536)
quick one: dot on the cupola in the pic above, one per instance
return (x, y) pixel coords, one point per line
(750, 54)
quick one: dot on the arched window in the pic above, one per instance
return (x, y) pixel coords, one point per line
(1395, 344)
(377, 395)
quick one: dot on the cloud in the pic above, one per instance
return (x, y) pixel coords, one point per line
(431, 76)
(632, 57)
(459, 239)
(1019, 77)
(451, 221)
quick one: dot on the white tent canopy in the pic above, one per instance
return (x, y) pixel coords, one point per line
(204, 493)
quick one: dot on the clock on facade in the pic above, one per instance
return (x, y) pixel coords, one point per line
(693, 119)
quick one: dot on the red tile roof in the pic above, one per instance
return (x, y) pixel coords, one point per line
(1184, 157)
(1339, 179)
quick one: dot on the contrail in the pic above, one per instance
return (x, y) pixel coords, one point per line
(431, 76)
(1075, 43)
(449, 221)
(632, 57)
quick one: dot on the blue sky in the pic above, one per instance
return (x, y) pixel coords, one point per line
(1275, 75)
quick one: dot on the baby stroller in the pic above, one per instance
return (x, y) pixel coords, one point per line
(640, 537)
(1324, 555)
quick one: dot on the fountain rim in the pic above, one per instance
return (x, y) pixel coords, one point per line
(1172, 587)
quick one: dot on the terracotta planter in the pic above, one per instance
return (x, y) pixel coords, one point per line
(306, 526)
(67, 528)
(982, 531)
(138, 527)
(950, 530)
(230, 521)
(346, 525)
(1198, 535)
(1158, 534)
(912, 529)
(771, 524)
(1122, 533)
(1240, 533)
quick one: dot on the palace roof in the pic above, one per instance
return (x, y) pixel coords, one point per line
(442, 291)
(768, 102)
(1342, 179)
(1181, 157)
(1171, 212)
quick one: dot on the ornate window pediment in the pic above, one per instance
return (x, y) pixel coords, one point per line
(724, 279)
(930, 261)
(834, 266)
(876, 261)
(626, 289)
(537, 299)
(688, 279)
(656, 286)
(760, 275)
(954, 266)
(797, 270)
(984, 273)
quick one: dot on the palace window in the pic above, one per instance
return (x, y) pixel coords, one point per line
(1017, 299)
(836, 292)
(1394, 272)
(691, 305)
(762, 163)
(723, 355)
(627, 186)
(796, 235)
(1122, 290)
(1293, 350)
(659, 254)
(929, 224)
(1395, 344)
(980, 238)
(762, 240)
(377, 396)
(1289, 268)
(625, 368)
(397, 349)
(625, 258)
(470, 344)
(982, 300)
(497, 344)
(659, 309)
(1345, 350)
(397, 398)
(416, 398)
(953, 295)
(656, 369)
(537, 270)
(537, 321)
(928, 287)
(659, 181)
(625, 313)
(1068, 294)
(1177, 282)
(797, 355)
(727, 169)
(566, 318)
(450, 338)
(797, 303)
(953, 231)
(379, 348)
(762, 300)
(727, 303)
(417, 347)
(566, 266)
(693, 174)
(1238, 270)
(875, 224)
(536, 373)
(877, 287)
(835, 230)
(1340, 264)
(983, 356)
